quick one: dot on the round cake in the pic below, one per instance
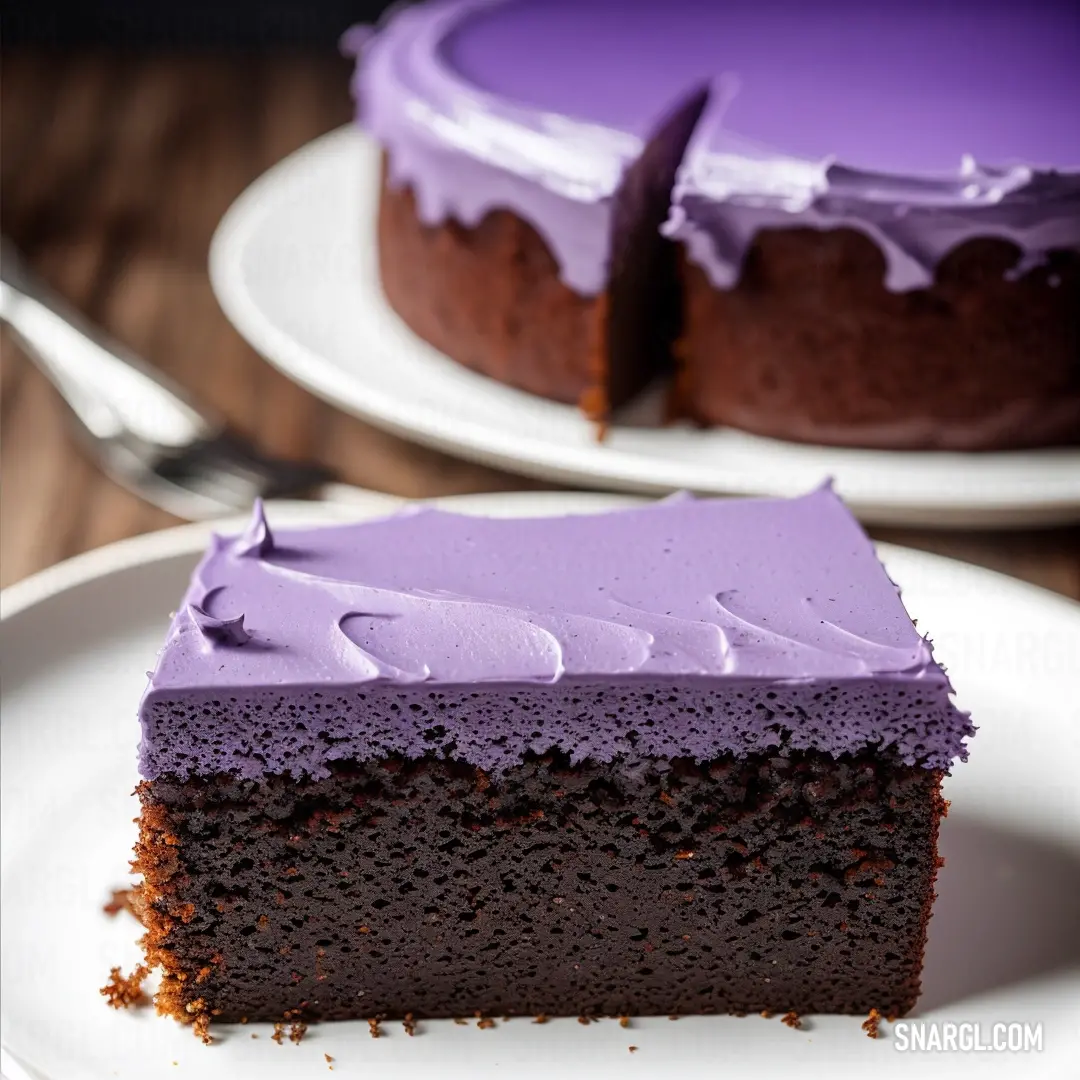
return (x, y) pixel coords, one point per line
(846, 223)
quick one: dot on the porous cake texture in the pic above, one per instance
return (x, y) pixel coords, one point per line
(678, 759)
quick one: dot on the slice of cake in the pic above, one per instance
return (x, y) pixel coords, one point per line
(880, 263)
(869, 235)
(677, 759)
(525, 242)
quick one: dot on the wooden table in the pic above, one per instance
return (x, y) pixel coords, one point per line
(115, 171)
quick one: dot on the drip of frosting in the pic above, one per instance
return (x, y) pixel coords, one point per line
(465, 150)
(920, 125)
(728, 190)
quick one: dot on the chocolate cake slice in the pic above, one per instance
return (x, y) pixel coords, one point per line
(678, 759)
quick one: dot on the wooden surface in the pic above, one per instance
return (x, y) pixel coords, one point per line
(115, 171)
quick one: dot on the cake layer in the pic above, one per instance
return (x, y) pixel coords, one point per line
(981, 359)
(426, 887)
(304, 730)
(685, 627)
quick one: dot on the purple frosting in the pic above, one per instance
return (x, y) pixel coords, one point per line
(687, 627)
(920, 124)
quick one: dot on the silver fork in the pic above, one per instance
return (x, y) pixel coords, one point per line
(144, 431)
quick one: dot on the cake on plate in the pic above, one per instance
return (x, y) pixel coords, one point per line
(852, 224)
(677, 759)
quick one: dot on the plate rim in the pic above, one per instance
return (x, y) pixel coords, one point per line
(323, 378)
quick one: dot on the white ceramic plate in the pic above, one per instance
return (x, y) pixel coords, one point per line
(76, 640)
(294, 267)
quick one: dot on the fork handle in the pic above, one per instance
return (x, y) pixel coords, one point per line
(116, 396)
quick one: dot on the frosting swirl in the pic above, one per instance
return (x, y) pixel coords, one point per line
(359, 604)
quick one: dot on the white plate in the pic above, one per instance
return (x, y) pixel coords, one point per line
(76, 640)
(293, 265)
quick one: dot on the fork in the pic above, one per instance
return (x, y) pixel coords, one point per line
(142, 429)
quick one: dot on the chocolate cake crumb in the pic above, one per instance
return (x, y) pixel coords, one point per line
(485, 1022)
(851, 799)
(673, 1018)
(461, 1022)
(409, 1024)
(201, 1028)
(124, 991)
(541, 1019)
(624, 1021)
(329, 1062)
(871, 1024)
(373, 1027)
(279, 1033)
(765, 1014)
(254, 1035)
(791, 1019)
(121, 900)
(633, 1049)
(297, 1031)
